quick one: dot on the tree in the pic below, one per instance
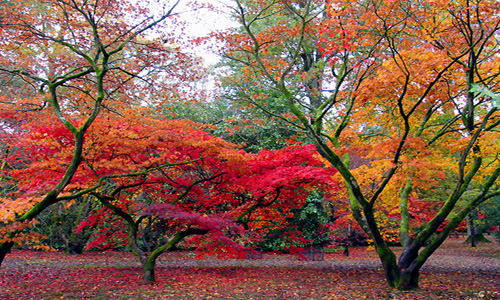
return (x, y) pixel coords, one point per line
(237, 122)
(135, 165)
(391, 81)
(280, 186)
(161, 207)
(161, 181)
(82, 57)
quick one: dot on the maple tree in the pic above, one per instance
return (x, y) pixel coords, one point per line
(83, 59)
(162, 206)
(122, 148)
(124, 155)
(162, 180)
(408, 85)
(207, 197)
(280, 183)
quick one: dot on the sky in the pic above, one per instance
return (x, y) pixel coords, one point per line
(204, 21)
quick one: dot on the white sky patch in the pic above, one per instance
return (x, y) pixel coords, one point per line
(200, 19)
(204, 21)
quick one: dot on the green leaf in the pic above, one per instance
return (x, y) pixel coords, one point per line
(484, 91)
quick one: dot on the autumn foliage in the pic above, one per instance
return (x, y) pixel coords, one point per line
(114, 274)
(157, 178)
(398, 102)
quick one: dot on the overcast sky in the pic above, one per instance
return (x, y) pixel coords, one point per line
(204, 21)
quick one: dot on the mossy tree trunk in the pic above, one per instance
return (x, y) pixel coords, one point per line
(4, 250)
(147, 259)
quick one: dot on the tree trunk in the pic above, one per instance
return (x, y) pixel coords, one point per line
(472, 230)
(346, 250)
(75, 248)
(389, 265)
(467, 220)
(409, 271)
(149, 276)
(408, 280)
(4, 249)
(149, 270)
(479, 238)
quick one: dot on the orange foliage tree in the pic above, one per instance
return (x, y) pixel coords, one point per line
(213, 190)
(151, 173)
(410, 86)
(160, 181)
(75, 60)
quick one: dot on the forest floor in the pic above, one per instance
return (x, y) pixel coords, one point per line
(455, 271)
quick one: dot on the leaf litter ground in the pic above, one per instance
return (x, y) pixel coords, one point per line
(456, 271)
